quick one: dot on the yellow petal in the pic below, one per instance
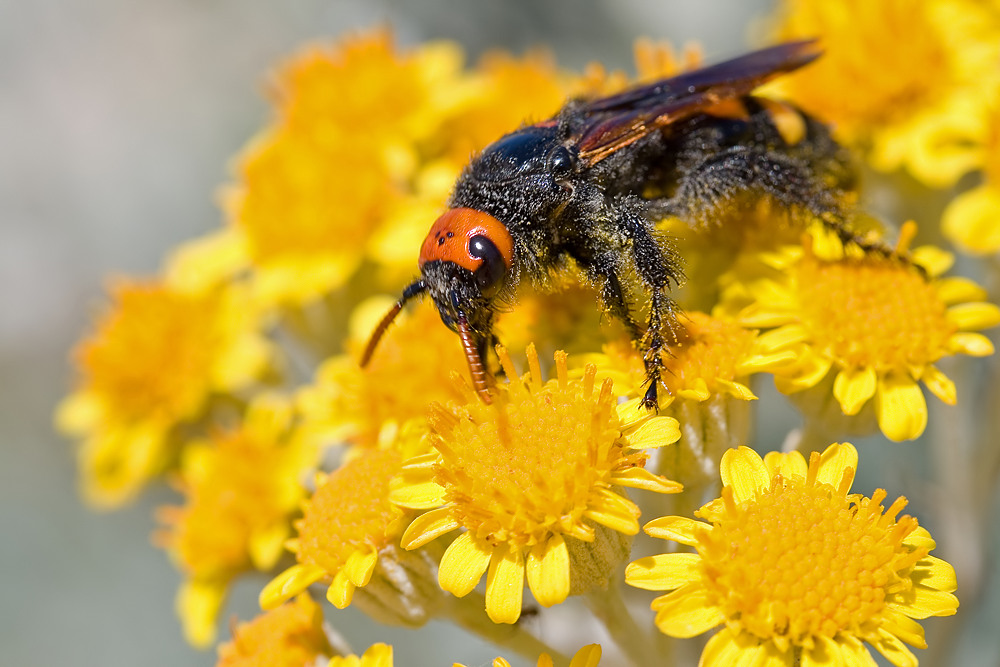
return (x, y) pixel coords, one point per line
(548, 571)
(687, 612)
(664, 572)
(903, 627)
(341, 590)
(934, 573)
(957, 289)
(781, 338)
(789, 464)
(900, 408)
(463, 564)
(810, 369)
(655, 432)
(933, 259)
(723, 650)
(423, 496)
(198, 604)
(974, 316)
(852, 388)
(612, 510)
(835, 461)
(640, 478)
(920, 538)
(505, 585)
(893, 650)
(736, 389)
(427, 527)
(744, 471)
(698, 391)
(360, 565)
(288, 584)
(677, 528)
(824, 652)
(267, 544)
(972, 344)
(971, 220)
(940, 385)
(855, 653)
(588, 656)
(921, 602)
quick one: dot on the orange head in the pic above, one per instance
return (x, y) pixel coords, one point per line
(472, 240)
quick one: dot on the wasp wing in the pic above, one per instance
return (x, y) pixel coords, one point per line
(615, 122)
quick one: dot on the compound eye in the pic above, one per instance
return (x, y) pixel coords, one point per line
(560, 161)
(491, 273)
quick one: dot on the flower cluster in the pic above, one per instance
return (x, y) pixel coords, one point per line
(394, 488)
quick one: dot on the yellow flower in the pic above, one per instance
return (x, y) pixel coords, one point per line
(796, 568)
(316, 185)
(365, 86)
(289, 636)
(153, 361)
(412, 367)
(527, 478)
(913, 102)
(241, 488)
(711, 356)
(972, 219)
(878, 323)
(347, 529)
(502, 94)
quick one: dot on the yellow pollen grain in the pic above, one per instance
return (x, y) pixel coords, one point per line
(874, 313)
(517, 473)
(350, 511)
(708, 349)
(801, 561)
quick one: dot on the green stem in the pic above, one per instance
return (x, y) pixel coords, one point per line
(609, 607)
(469, 613)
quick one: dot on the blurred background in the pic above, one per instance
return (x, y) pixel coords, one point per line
(117, 120)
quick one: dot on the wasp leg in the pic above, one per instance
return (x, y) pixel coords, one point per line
(714, 180)
(613, 295)
(658, 266)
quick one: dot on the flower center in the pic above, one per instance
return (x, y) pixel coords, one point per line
(873, 312)
(349, 511)
(519, 471)
(802, 561)
(708, 349)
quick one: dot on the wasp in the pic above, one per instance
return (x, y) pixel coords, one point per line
(587, 186)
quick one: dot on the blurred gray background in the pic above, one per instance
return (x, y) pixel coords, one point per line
(117, 120)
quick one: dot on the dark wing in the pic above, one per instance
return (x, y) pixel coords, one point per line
(619, 120)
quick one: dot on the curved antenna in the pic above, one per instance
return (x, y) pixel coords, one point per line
(411, 291)
(476, 369)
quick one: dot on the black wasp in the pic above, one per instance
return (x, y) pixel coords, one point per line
(578, 187)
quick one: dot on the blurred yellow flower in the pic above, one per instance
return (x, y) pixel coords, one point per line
(155, 358)
(972, 219)
(315, 186)
(289, 636)
(241, 488)
(528, 477)
(797, 569)
(879, 323)
(412, 367)
(902, 78)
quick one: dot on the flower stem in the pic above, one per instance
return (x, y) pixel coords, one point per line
(469, 613)
(609, 607)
